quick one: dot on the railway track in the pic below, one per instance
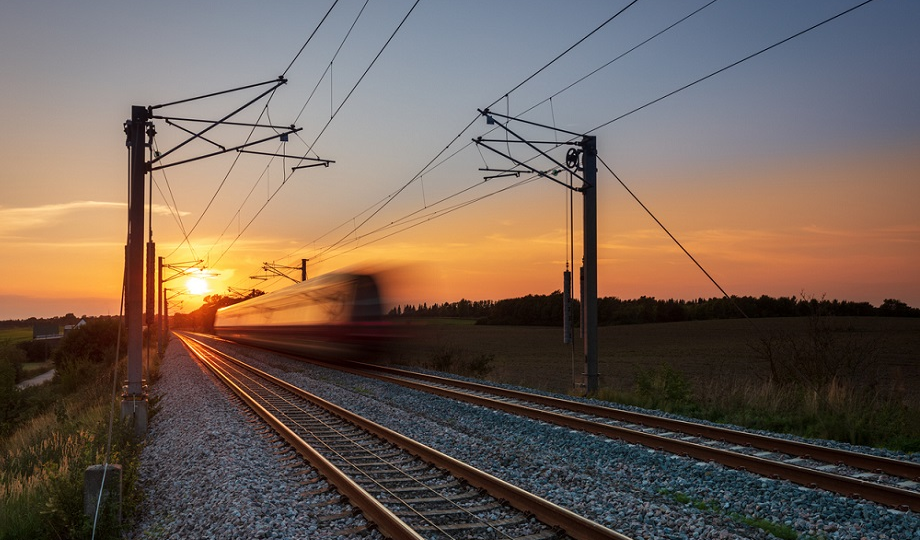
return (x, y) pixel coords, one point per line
(882, 480)
(886, 481)
(406, 489)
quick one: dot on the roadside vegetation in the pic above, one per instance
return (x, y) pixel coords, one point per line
(837, 410)
(53, 432)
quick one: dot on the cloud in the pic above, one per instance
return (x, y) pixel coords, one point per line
(13, 220)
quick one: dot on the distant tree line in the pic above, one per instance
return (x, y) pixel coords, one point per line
(547, 310)
(68, 319)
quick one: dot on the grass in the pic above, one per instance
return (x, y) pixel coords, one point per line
(15, 335)
(779, 530)
(706, 369)
(42, 465)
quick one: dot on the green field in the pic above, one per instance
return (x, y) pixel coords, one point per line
(15, 335)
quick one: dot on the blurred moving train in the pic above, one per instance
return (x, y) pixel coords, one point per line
(332, 316)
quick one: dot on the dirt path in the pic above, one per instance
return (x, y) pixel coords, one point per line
(41, 379)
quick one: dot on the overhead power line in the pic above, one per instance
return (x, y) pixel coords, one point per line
(310, 38)
(380, 205)
(331, 61)
(620, 56)
(733, 64)
(366, 71)
(563, 53)
(337, 110)
(186, 234)
(383, 203)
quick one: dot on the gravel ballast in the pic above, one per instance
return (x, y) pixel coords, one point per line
(187, 474)
(207, 471)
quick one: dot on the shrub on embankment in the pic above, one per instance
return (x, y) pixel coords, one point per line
(835, 411)
(44, 457)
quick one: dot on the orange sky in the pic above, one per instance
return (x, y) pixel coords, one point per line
(795, 173)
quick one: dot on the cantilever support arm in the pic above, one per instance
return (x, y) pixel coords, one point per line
(278, 83)
(529, 168)
(486, 113)
(193, 134)
(212, 154)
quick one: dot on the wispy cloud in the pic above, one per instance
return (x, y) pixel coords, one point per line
(14, 219)
(18, 219)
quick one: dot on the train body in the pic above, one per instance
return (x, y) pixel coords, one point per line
(331, 316)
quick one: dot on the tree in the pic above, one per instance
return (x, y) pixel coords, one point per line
(895, 308)
(92, 343)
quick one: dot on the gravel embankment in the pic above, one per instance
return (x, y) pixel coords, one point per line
(207, 472)
(636, 491)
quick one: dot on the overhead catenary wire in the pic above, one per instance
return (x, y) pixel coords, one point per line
(565, 52)
(236, 158)
(366, 71)
(426, 168)
(729, 66)
(720, 70)
(420, 220)
(618, 57)
(310, 38)
(326, 126)
(310, 147)
(173, 211)
(377, 207)
(238, 215)
(329, 67)
(186, 235)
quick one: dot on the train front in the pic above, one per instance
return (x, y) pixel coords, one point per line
(335, 316)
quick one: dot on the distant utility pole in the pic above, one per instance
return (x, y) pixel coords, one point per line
(276, 270)
(587, 154)
(180, 270)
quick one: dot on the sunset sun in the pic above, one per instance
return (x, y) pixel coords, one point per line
(197, 286)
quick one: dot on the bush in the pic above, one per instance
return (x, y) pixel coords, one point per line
(452, 359)
(9, 395)
(93, 343)
(663, 387)
(38, 351)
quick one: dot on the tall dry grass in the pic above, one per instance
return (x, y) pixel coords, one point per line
(836, 410)
(42, 465)
(38, 464)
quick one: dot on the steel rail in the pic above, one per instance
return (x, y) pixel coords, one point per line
(894, 467)
(844, 485)
(385, 520)
(574, 525)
